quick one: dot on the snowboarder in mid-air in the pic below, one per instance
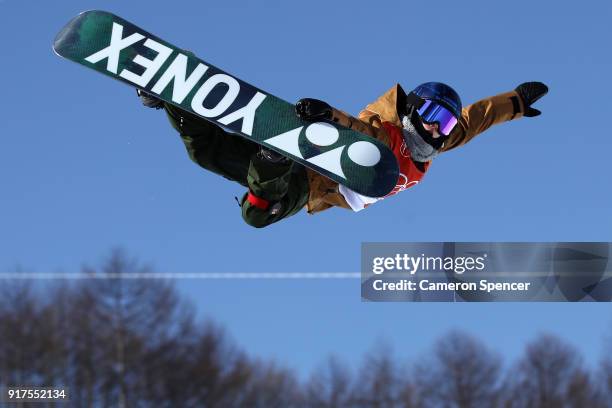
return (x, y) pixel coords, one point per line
(319, 159)
(416, 126)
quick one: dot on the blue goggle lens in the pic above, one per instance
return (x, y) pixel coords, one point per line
(432, 112)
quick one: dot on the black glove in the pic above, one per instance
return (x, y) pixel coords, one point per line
(530, 92)
(313, 109)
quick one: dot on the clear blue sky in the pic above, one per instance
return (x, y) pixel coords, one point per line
(83, 167)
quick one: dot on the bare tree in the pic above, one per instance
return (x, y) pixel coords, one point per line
(551, 374)
(114, 340)
(117, 320)
(462, 372)
(605, 372)
(329, 386)
(607, 379)
(19, 345)
(117, 341)
(271, 386)
(382, 381)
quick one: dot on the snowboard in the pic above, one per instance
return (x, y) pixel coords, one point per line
(113, 46)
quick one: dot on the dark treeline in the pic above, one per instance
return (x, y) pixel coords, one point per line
(135, 343)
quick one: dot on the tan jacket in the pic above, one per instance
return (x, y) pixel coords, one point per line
(475, 119)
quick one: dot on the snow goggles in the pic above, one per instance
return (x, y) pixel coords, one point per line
(432, 112)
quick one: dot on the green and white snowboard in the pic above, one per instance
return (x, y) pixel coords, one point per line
(117, 48)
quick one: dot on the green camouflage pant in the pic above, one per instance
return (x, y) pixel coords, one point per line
(285, 186)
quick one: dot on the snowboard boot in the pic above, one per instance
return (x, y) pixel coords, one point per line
(149, 100)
